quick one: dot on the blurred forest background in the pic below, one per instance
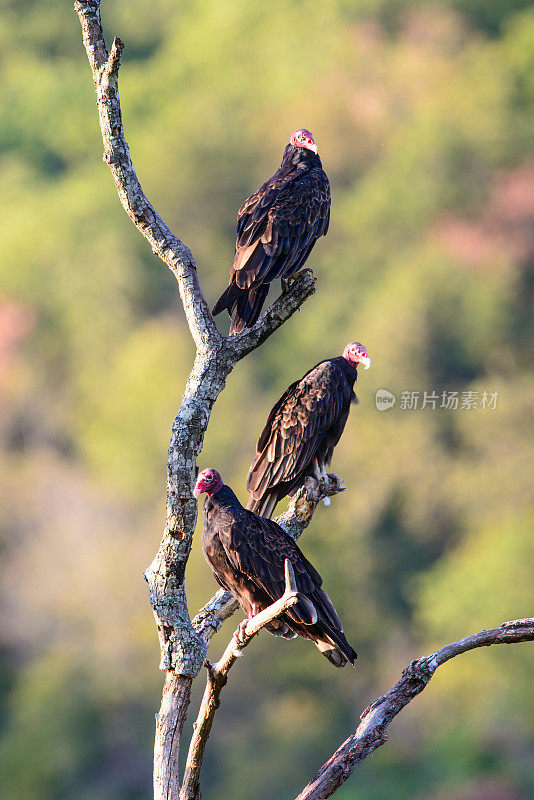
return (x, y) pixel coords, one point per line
(423, 114)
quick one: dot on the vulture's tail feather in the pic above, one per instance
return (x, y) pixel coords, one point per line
(336, 649)
(227, 299)
(247, 308)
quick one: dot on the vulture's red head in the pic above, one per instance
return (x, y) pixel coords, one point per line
(303, 138)
(357, 354)
(208, 481)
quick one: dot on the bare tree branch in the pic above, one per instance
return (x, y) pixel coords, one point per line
(302, 505)
(164, 243)
(290, 301)
(182, 647)
(217, 678)
(371, 732)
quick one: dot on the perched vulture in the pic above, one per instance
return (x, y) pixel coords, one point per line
(303, 428)
(276, 229)
(247, 555)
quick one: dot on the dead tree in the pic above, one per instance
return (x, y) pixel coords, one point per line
(184, 641)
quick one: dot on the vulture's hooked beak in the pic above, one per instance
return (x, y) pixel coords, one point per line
(366, 361)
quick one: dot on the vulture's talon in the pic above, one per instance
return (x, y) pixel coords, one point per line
(240, 632)
(293, 278)
(338, 485)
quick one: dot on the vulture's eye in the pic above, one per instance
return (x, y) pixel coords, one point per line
(208, 479)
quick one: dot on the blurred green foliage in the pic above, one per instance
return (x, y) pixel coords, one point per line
(424, 118)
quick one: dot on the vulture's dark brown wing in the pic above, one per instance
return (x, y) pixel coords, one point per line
(258, 548)
(308, 418)
(278, 226)
(247, 554)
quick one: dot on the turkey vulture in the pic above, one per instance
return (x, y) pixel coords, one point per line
(303, 428)
(247, 555)
(276, 229)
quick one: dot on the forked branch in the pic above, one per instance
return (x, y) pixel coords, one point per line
(165, 244)
(182, 649)
(217, 677)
